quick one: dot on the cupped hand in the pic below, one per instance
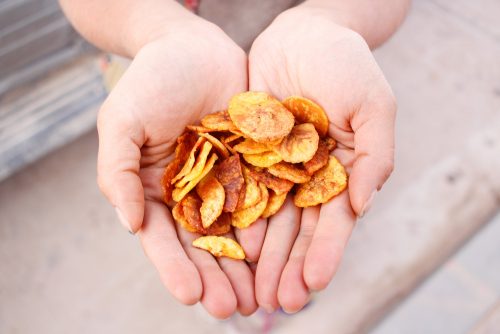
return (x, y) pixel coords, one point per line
(172, 82)
(305, 52)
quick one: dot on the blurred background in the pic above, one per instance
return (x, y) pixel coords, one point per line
(426, 259)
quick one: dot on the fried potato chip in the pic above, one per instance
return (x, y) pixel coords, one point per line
(185, 144)
(198, 129)
(300, 145)
(218, 121)
(213, 196)
(246, 217)
(260, 116)
(323, 186)
(221, 226)
(217, 144)
(249, 146)
(231, 138)
(319, 160)
(279, 186)
(230, 175)
(178, 214)
(274, 204)
(179, 193)
(262, 160)
(199, 164)
(188, 214)
(220, 246)
(250, 193)
(330, 143)
(306, 111)
(288, 171)
(188, 165)
(191, 205)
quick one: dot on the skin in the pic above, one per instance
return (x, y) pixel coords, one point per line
(319, 50)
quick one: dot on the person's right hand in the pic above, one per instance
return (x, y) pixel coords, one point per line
(174, 80)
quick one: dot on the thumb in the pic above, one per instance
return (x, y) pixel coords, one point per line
(373, 128)
(118, 166)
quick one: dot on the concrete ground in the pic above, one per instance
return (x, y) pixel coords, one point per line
(68, 266)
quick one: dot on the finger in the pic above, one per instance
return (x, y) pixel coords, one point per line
(252, 238)
(218, 296)
(161, 245)
(335, 224)
(119, 154)
(280, 236)
(293, 292)
(374, 150)
(242, 281)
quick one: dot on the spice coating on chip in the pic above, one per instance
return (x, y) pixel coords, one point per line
(230, 175)
(300, 145)
(307, 111)
(260, 116)
(323, 186)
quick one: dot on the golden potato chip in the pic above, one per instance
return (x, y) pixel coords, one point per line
(288, 171)
(230, 176)
(274, 203)
(213, 196)
(185, 144)
(279, 186)
(220, 246)
(262, 160)
(319, 160)
(323, 186)
(249, 146)
(306, 111)
(221, 226)
(199, 129)
(246, 217)
(260, 116)
(330, 143)
(218, 121)
(217, 144)
(231, 138)
(300, 145)
(178, 214)
(179, 193)
(250, 193)
(188, 165)
(188, 214)
(199, 164)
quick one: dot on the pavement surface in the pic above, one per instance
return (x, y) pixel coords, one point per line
(68, 266)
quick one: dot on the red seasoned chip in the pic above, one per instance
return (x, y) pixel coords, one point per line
(319, 160)
(275, 183)
(230, 175)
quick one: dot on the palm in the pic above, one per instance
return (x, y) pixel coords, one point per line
(178, 86)
(298, 57)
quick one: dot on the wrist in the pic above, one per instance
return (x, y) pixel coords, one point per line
(146, 24)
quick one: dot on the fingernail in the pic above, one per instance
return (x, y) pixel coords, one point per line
(268, 308)
(367, 205)
(122, 219)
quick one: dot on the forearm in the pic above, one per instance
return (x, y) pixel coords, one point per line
(124, 26)
(375, 20)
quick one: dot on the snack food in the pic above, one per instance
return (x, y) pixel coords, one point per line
(240, 165)
(220, 246)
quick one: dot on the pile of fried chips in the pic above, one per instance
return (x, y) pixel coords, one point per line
(240, 164)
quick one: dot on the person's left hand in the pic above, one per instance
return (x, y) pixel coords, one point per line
(305, 52)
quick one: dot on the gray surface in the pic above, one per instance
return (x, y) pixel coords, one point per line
(455, 298)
